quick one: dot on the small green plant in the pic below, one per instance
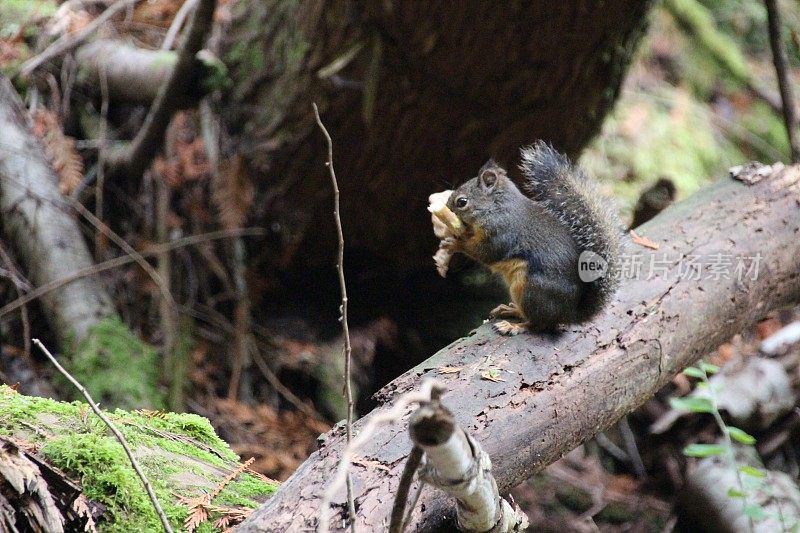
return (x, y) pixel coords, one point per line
(749, 479)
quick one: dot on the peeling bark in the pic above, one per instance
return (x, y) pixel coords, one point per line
(560, 390)
(456, 464)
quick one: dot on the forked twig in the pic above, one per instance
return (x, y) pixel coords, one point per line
(347, 347)
(131, 162)
(115, 431)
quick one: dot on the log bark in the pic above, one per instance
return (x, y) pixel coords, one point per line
(560, 390)
(416, 95)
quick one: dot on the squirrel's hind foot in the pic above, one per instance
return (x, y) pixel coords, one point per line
(504, 327)
(507, 311)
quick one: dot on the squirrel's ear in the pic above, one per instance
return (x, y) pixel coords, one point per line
(489, 174)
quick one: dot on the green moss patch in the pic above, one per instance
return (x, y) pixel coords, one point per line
(180, 453)
(116, 367)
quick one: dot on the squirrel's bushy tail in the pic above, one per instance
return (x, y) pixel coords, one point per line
(564, 190)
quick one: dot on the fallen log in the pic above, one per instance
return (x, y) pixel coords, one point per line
(83, 467)
(549, 393)
(135, 74)
(44, 233)
(46, 237)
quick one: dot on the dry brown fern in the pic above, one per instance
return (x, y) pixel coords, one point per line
(60, 150)
(200, 507)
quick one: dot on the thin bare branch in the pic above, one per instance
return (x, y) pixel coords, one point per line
(177, 24)
(127, 259)
(348, 350)
(101, 157)
(17, 280)
(103, 229)
(283, 390)
(69, 41)
(135, 464)
(784, 84)
(397, 522)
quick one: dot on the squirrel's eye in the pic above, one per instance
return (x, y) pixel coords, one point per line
(461, 202)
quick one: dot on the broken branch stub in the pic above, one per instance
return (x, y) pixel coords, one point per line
(456, 464)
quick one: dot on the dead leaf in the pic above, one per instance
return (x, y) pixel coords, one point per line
(644, 241)
(724, 354)
(767, 327)
(81, 508)
(157, 13)
(450, 369)
(682, 383)
(192, 158)
(223, 522)
(230, 477)
(198, 512)
(231, 517)
(279, 440)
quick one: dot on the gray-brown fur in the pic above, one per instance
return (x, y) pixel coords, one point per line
(548, 231)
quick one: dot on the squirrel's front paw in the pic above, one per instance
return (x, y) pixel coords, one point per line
(504, 327)
(506, 311)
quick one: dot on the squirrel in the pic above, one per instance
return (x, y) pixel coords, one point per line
(542, 243)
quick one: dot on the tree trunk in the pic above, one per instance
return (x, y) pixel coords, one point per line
(417, 95)
(559, 391)
(47, 239)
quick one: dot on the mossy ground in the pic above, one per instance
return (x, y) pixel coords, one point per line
(180, 454)
(116, 367)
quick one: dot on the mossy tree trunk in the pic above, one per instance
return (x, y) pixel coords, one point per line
(417, 96)
(45, 235)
